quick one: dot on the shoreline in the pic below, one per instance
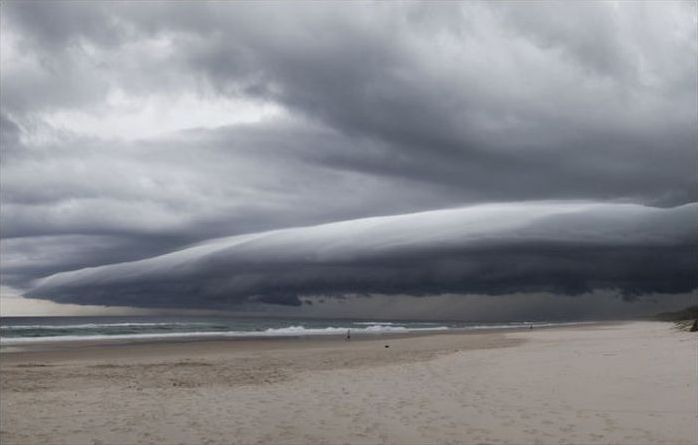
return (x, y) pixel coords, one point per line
(88, 350)
(261, 341)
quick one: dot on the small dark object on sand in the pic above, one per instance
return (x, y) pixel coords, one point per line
(387, 346)
(694, 327)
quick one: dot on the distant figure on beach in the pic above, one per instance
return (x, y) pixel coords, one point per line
(530, 327)
(348, 334)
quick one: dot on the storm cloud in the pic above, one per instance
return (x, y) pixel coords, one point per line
(497, 249)
(132, 130)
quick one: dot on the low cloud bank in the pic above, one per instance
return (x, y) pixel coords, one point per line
(494, 249)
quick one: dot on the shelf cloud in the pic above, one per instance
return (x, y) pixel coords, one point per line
(566, 248)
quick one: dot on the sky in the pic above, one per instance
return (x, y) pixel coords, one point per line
(486, 160)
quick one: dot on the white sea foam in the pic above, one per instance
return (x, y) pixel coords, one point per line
(372, 323)
(290, 331)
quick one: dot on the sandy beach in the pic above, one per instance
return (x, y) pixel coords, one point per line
(624, 383)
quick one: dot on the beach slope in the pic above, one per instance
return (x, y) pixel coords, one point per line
(626, 383)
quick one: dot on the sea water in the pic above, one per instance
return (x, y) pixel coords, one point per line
(23, 330)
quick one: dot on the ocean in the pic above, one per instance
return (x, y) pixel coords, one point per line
(24, 330)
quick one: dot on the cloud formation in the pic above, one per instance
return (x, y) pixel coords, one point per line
(133, 129)
(488, 249)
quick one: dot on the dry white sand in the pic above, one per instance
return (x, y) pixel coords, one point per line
(632, 383)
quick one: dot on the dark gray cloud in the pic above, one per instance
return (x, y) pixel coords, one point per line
(597, 305)
(489, 249)
(132, 129)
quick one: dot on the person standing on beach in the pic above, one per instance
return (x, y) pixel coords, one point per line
(348, 334)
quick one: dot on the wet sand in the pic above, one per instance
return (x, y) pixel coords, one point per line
(629, 383)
